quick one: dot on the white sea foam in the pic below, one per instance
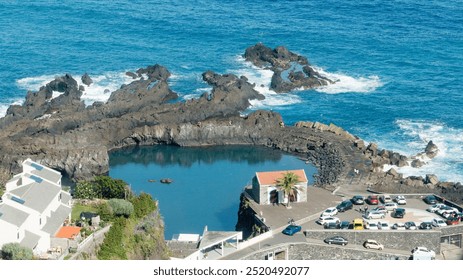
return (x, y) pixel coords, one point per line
(262, 79)
(4, 106)
(344, 83)
(99, 90)
(448, 163)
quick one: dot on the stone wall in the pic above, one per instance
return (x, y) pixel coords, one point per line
(306, 251)
(400, 240)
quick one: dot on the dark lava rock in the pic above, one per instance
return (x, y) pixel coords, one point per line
(290, 71)
(431, 149)
(86, 80)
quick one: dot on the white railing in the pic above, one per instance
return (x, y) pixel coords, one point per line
(255, 240)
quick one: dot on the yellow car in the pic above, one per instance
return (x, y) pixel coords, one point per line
(357, 224)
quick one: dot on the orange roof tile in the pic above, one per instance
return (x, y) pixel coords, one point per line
(68, 232)
(270, 178)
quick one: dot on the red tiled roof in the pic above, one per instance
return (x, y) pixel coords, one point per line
(270, 178)
(68, 232)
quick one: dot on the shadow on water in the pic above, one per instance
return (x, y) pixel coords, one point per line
(174, 155)
(206, 181)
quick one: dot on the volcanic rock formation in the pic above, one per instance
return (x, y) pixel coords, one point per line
(290, 71)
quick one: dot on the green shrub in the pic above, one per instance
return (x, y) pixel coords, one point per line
(143, 204)
(110, 188)
(14, 251)
(121, 207)
(112, 248)
(105, 211)
(85, 190)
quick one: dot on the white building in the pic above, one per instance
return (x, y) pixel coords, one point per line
(33, 207)
(265, 189)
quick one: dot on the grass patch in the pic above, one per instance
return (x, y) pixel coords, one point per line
(79, 208)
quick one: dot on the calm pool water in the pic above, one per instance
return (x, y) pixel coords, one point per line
(207, 181)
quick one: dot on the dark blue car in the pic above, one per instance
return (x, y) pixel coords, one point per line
(291, 229)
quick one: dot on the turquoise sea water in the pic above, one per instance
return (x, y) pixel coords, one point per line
(399, 63)
(207, 182)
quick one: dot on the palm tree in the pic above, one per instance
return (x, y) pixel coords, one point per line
(287, 183)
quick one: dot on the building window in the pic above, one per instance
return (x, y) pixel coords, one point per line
(18, 235)
(40, 221)
(59, 197)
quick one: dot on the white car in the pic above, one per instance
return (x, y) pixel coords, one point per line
(385, 198)
(424, 251)
(446, 209)
(390, 206)
(380, 209)
(373, 244)
(383, 225)
(329, 212)
(435, 207)
(400, 200)
(398, 226)
(371, 225)
(375, 215)
(438, 222)
(328, 219)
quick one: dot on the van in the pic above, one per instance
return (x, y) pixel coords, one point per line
(357, 224)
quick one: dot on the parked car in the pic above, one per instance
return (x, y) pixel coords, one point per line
(453, 220)
(398, 226)
(372, 200)
(438, 222)
(374, 215)
(331, 211)
(344, 206)
(423, 251)
(327, 219)
(357, 224)
(344, 225)
(385, 198)
(291, 230)
(433, 208)
(430, 199)
(339, 240)
(358, 200)
(425, 225)
(398, 213)
(400, 200)
(373, 244)
(451, 214)
(446, 210)
(331, 225)
(410, 225)
(371, 225)
(390, 206)
(383, 225)
(380, 208)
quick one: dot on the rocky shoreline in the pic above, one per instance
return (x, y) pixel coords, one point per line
(63, 133)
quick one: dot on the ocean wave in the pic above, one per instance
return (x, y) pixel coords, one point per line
(448, 164)
(99, 90)
(262, 79)
(344, 83)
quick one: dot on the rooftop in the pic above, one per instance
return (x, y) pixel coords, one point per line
(57, 219)
(270, 178)
(68, 232)
(12, 215)
(37, 196)
(43, 171)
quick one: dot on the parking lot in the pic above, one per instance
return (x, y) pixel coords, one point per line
(415, 211)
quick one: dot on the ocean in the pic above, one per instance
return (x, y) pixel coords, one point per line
(399, 63)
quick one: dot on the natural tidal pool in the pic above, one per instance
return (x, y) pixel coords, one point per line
(207, 181)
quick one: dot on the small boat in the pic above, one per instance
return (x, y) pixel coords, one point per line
(166, 181)
(151, 180)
